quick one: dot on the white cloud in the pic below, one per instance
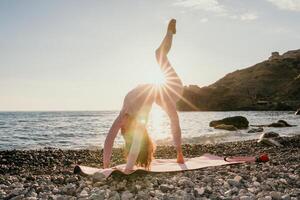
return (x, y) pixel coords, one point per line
(203, 20)
(248, 16)
(293, 5)
(206, 5)
(216, 7)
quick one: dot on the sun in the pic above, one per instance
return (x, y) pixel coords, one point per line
(158, 79)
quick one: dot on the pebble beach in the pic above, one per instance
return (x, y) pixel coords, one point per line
(48, 174)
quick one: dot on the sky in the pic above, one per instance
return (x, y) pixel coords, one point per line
(86, 55)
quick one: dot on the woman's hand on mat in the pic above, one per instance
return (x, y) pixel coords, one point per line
(180, 158)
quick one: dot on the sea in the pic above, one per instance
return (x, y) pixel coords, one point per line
(88, 129)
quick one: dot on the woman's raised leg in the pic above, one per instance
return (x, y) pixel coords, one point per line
(173, 86)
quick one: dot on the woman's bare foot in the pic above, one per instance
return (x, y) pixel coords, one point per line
(172, 26)
(180, 158)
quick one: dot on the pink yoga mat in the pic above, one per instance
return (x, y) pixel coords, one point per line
(164, 165)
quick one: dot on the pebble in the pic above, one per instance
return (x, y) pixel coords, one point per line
(32, 194)
(293, 176)
(69, 189)
(98, 177)
(256, 184)
(282, 180)
(245, 198)
(265, 198)
(233, 182)
(165, 188)
(83, 193)
(126, 195)
(97, 195)
(185, 182)
(19, 197)
(199, 191)
(16, 191)
(275, 195)
(286, 197)
(71, 179)
(238, 178)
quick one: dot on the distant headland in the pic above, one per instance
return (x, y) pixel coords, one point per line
(273, 84)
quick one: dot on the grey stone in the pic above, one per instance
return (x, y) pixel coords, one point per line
(83, 193)
(19, 197)
(114, 196)
(98, 177)
(270, 134)
(256, 130)
(100, 195)
(71, 179)
(286, 197)
(186, 182)
(165, 188)
(275, 195)
(30, 198)
(199, 191)
(270, 142)
(69, 189)
(245, 198)
(228, 193)
(256, 184)
(233, 182)
(126, 195)
(238, 178)
(141, 195)
(265, 198)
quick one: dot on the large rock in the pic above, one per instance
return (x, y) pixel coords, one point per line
(270, 134)
(280, 123)
(226, 127)
(256, 130)
(239, 122)
(270, 139)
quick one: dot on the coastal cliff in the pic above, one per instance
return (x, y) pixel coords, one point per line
(273, 84)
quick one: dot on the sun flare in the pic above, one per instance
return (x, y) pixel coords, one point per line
(157, 120)
(159, 79)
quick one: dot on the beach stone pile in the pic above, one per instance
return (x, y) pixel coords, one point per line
(277, 179)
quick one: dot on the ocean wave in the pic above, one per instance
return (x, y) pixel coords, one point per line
(210, 138)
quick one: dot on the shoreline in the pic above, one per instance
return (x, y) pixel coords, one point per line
(48, 174)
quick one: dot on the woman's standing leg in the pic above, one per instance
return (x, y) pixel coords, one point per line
(171, 91)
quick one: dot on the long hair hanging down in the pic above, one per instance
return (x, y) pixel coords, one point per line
(147, 148)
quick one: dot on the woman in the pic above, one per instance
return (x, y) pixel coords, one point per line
(132, 119)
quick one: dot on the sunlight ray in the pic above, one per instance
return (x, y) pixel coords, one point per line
(181, 97)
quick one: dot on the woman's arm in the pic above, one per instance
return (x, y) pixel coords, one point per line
(110, 138)
(135, 147)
